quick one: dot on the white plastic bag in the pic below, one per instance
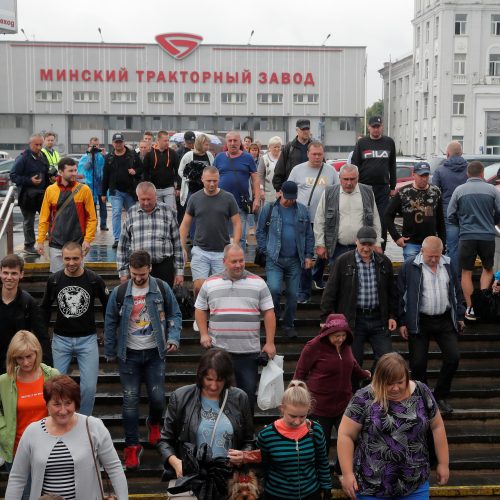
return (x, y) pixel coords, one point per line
(271, 385)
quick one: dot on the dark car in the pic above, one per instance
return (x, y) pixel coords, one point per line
(5, 167)
(486, 160)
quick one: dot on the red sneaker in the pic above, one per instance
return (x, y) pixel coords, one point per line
(153, 432)
(132, 457)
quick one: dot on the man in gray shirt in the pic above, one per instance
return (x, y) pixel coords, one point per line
(312, 177)
(213, 208)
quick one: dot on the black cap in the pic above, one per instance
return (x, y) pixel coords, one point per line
(189, 136)
(303, 123)
(367, 234)
(289, 190)
(375, 120)
(422, 168)
(118, 137)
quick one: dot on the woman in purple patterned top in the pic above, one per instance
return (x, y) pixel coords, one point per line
(382, 438)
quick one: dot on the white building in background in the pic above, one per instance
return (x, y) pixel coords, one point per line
(449, 89)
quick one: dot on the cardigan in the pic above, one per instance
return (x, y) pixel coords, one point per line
(8, 411)
(35, 447)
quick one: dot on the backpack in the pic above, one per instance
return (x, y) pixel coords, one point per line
(185, 301)
(122, 290)
(54, 280)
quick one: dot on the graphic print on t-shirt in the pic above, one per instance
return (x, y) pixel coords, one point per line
(73, 301)
(140, 322)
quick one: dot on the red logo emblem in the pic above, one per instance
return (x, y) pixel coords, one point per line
(178, 45)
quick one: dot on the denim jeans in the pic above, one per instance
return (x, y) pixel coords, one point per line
(103, 213)
(119, 201)
(442, 329)
(421, 493)
(246, 374)
(28, 226)
(86, 351)
(452, 235)
(141, 366)
(411, 250)
(245, 219)
(287, 269)
(340, 250)
(308, 275)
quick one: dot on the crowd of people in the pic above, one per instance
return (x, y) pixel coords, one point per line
(187, 205)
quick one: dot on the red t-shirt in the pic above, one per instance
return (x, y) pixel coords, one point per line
(30, 405)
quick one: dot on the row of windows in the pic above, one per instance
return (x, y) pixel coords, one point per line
(458, 107)
(168, 97)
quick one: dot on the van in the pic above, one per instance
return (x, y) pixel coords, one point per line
(4, 155)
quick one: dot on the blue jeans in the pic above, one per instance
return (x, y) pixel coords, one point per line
(141, 366)
(119, 201)
(287, 269)
(421, 493)
(245, 219)
(86, 351)
(103, 213)
(340, 250)
(452, 235)
(246, 374)
(411, 250)
(308, 275)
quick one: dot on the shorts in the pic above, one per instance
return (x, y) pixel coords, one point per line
(205, 264)
(470, 249)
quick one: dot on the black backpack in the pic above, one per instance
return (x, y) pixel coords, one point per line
(122, 289)
(185, 301)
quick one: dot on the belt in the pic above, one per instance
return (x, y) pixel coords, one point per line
(368, 310)
(446, 313)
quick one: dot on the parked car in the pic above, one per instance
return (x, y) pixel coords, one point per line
(336, 164)
(5, 167)
(486, 160)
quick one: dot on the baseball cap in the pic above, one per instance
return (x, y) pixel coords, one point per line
(335, 323)
(303, 123)
(375, 120)
(422, 168)
(118, 137)
(289, 190)
(189, 136)
(367, 234)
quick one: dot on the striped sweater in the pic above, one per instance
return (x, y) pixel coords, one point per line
(294, 469)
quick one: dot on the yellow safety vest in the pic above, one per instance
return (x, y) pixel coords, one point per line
(53, 158)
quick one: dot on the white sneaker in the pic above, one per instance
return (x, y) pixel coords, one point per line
(195, 326)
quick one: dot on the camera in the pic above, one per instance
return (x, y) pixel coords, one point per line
(94, 150)
(262, 359)
(246, 204)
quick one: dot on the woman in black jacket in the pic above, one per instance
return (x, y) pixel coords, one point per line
(193, 413)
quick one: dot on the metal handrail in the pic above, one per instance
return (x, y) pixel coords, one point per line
(7, 209)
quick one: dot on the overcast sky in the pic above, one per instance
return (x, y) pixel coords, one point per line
(383, 26)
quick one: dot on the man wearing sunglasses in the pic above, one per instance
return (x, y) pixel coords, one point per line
(375, 157)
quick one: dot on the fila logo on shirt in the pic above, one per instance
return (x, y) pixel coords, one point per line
(376, 154)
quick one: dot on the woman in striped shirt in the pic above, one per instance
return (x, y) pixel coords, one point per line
(294, 451)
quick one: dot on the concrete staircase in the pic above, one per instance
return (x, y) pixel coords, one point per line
(473, 429)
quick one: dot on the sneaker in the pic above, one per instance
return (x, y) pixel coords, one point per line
(195, 326)
(290, 333)
(115, 244)
(303, 300)
(469, 314)
(444, 406)
(153, 432)
(318, 285)
(30, 250)
(132, 457)
(104, 228)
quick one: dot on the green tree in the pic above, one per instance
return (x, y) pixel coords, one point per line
(376, 109)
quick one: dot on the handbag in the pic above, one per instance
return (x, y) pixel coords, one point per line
(260, 257)
(110, 496)
(431, 448)
(245, 201)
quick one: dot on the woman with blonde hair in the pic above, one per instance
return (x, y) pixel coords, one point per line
(265, 169)
(382, 441)
(21, 391)
(293, 451)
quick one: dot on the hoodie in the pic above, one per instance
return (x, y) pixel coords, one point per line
(328, 372)
(451, 174)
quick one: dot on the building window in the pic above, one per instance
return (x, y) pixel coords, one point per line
(459, 64)
(305, 98)
(346, 124)
(458, 104)
(460, 24)
(407, 84)
(434, 106)
(270, 98)
(494, 65)
(416, 110)
(407, 115)
(436, 27)
(426, 105)
(161, 97)
(495, 24)
(426, 69)
(436, 61)
(87, 122)
(427, 31)
(48, 95)
(233, 98)
(84, 96)
(197, 97)
(417, 72)
(122, 97)
(458, 138)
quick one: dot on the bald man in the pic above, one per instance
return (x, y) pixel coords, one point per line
(431, 305)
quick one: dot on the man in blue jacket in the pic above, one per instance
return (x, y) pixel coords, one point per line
(143, 323)
(475, 208)
(285, 236)
(448, 176)
(431, 305)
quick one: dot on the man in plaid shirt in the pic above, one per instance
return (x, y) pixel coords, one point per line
(362, 287)
(151, 226)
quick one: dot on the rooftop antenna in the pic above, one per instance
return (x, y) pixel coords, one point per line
(325, 40)
(251, 35)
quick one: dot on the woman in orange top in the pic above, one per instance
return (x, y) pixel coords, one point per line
(21, 391)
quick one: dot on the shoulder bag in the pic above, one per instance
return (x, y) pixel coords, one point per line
(315, 184)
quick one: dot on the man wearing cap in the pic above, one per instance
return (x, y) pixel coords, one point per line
(421, 206)
(431, 305)
(122, 172)
(362, 287)
(161, 167)
(189, 138)
(293, 153)
(287, 240)
(375, 156)
(342, 210)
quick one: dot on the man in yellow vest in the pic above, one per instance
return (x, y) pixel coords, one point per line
(50, 153)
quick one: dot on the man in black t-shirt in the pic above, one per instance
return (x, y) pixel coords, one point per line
(375, 157)
(74, 290)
